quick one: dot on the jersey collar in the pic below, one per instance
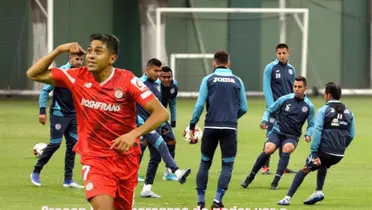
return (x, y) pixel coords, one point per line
(109, 78)
(333, 101)
(278, 61)
(222, 69)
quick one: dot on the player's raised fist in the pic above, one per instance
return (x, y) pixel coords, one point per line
(72, 47)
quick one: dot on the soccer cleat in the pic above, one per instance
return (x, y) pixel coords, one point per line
(35, 179)
(274, 186)
(71, 184)
(289, 171)
(216, 205)
(140, 179)
(182, 175)
(285, 201)
(314, 198)
(169, 176)
(246, 182)
(148, 194)
(265, 170)
(200, 206)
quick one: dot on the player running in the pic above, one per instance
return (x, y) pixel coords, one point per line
(62, 123)
(292, 112)
(105, 101)
(333, 133)
(226, 101)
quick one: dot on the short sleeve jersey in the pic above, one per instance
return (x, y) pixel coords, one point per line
(104, 110)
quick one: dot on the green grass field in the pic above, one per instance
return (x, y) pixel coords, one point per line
(348, 185)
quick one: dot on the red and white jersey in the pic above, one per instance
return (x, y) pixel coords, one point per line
(104, 110)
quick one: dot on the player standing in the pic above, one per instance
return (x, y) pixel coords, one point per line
(292, 112)
(105, 101)
(224, 94)
(62, 123)
(169, 91)
(333, 133)
(278, 81)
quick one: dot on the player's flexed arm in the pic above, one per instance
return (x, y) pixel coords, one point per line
(39, 71)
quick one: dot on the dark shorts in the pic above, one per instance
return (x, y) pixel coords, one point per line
(153, 138)
(62, 126)
(228, 144)
(167, 132)
(280, 140)
(326, 160)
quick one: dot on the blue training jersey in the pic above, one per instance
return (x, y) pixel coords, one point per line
(169, 97)
(278, 81)
(291, 115)
(62, 103)
(334, 129)
(225, 99)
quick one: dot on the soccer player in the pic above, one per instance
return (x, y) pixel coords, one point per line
(155, 139)
(278, 80)
(62, 123)
(334, 130)
(292, 112)
(105, 101)
(169, 91)
(224, 94)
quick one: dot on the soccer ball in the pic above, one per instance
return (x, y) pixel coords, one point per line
(38, 149)
(197, 135)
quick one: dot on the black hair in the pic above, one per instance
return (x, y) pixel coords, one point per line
(333, 89)
(221, 57)
(77, 54)
(110, 40)
(166, 69)
(281, 46)
(154, 62)
(301, 79)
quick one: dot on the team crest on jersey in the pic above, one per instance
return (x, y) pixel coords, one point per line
(290, 71)
(89, 186)
(118, 93)
(58, 126)
(172, 90)
(304, 109)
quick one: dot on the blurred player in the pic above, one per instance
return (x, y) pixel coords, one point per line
(224, 94)
(169, 91)
(292, 111)
(105, 101)
(278, 80)
(334, 130)
(62, 123)
(155, 139)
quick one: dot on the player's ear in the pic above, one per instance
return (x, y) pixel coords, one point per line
(113, 59)
(214, 64)
(228, 64)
